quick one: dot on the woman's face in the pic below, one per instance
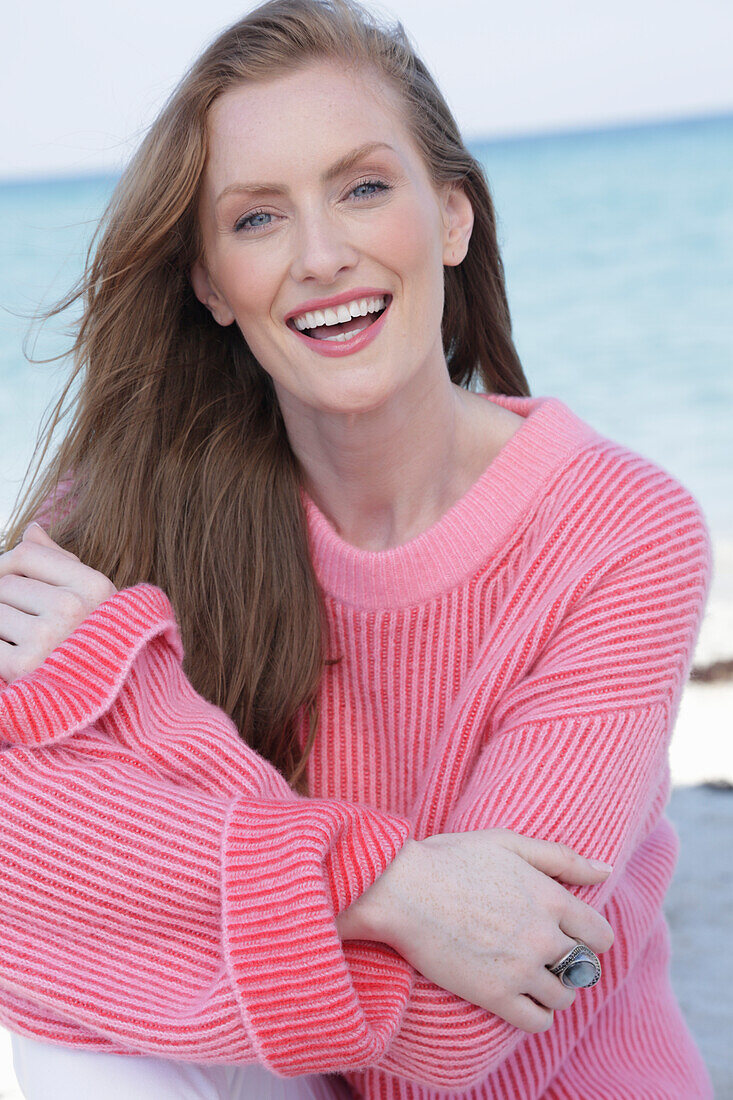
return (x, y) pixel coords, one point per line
(316, 206)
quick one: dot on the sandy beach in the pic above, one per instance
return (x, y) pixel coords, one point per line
(700, 900)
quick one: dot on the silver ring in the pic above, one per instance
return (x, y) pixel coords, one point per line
(579, 969)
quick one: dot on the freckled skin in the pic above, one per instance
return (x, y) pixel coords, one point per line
(474, 914)
(320, 241)
(393, 400)
(375, 432)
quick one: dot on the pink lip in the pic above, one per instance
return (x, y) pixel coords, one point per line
(333, 349)
(337, 300)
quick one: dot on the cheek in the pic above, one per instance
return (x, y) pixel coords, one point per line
(248, 283)
(410, 244)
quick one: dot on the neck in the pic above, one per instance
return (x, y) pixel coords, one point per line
(383, 476)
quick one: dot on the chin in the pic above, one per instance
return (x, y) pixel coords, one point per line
(358, 396)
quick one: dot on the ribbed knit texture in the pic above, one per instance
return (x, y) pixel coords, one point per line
(519, 664)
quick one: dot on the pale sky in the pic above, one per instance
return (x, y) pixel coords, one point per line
(81, 79)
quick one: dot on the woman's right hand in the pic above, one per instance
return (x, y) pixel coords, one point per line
(481, 915)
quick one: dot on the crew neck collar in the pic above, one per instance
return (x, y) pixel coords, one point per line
(464, 538)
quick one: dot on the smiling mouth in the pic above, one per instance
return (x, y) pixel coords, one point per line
(322, 324)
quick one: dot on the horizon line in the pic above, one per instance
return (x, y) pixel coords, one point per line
(581, 129)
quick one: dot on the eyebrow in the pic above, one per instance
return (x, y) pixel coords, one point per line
(344, 164)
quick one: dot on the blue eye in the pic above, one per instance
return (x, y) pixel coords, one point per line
(377, 186)
(249, 223)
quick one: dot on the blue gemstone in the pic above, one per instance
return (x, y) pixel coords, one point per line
(580, 974)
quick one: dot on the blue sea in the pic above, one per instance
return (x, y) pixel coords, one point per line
(618, 249)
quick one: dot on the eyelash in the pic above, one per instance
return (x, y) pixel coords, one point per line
(379, 184)
(242, 227)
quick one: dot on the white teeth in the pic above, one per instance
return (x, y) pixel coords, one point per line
(338, 315)
(338, 337)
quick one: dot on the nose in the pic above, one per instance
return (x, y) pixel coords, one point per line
(322, 251)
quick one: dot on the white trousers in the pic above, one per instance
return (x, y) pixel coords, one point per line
(47, 1070)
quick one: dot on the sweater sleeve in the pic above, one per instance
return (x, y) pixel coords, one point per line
(574, 751)
(603, 671)
(164, 890)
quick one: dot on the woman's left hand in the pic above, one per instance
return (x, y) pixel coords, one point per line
(45, 593)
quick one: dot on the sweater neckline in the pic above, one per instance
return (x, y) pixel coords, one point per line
(466, 536)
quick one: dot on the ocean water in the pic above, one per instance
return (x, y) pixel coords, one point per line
(618, 249)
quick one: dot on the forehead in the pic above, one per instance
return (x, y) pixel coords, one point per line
(302, 120)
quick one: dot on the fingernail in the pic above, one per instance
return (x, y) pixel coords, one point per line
(598, 866)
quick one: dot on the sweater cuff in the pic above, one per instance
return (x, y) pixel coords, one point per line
(80, 679)
(289, 869)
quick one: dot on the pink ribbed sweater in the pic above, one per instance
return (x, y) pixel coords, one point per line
(519, 664)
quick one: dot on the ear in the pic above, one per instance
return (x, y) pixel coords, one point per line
(458, 224)
(208, 294)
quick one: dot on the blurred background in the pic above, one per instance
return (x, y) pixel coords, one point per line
(607, 136)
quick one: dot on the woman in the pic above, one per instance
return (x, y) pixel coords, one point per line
(444, 616)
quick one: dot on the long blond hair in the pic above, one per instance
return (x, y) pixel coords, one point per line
(183, 475)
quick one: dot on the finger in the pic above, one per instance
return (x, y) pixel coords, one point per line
(35, 533)
(549, 991)
(561, 946)
(16, 661)
(559, 861)
(41, 562)
(580, 922)
(8, 654)
(527, 1015)
(15, 626)
(24, 594)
